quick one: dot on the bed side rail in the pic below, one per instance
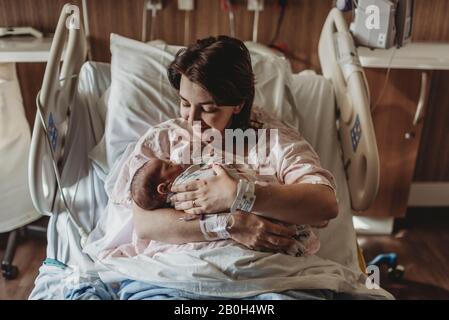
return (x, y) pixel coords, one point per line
(67, 54)
(340, 64)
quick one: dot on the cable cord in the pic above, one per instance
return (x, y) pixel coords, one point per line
(283, 5)
(144, 21)
(231, 18)
(186, 27)
(387, 79)
(87, 29)
(153, 23)
(255, 25)
(83, 234)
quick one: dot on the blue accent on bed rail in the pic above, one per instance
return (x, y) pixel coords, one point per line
(52, 132)
(356, 134)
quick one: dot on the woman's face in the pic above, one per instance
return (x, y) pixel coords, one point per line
(198, 105)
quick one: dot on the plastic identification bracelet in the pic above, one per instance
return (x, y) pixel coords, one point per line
(245, 198)
(217, 226)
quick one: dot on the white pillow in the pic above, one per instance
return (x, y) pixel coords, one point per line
(273, 78)
(141, 95)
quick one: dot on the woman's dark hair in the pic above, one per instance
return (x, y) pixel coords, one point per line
(222, 66)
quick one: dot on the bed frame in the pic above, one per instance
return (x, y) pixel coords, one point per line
(67, 55)
(340, 65)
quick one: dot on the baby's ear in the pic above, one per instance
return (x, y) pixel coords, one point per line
(162, 188)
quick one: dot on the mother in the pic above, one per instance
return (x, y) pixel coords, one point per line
(215, 82)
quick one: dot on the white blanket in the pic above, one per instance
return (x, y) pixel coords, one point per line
(234, 272)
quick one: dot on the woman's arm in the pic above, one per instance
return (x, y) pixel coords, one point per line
(298, 203)
(247, 229)
(301, 203)
(164, 225)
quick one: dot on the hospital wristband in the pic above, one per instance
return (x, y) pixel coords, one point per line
(245, 197)
(216, 227)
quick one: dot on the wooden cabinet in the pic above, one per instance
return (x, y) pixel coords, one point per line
(397, 137)
(433, 157)
(400, 107)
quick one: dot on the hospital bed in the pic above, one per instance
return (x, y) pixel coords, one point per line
(71, 155)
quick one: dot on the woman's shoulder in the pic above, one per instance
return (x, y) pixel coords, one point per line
(167, 127)
(261, 119)
(172, 124)
(160, 138)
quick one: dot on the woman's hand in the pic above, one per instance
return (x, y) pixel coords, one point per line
(211, 195)
(260, 234)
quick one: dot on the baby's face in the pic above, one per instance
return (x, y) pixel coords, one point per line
(151, 183)
(169, 171)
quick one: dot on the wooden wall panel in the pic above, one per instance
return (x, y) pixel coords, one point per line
(431, 23)
(393, 119)
(433, 156)
(112, 16)
(30, 86)
(430, 20)
(124, 17)
(41, 14)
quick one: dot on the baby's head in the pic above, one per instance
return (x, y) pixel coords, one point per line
(152, 182)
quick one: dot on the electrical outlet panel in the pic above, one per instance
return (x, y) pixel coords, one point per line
(154, 4)
(186, 5)
(255, 5)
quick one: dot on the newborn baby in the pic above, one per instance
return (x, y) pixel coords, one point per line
(150, 189)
